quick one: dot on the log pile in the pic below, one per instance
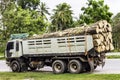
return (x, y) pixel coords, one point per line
(101, 32)
(102, 39)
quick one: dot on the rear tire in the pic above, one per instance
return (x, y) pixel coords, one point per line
(75, 66)
(59, 66)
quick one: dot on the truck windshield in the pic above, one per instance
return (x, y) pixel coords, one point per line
(10, 46)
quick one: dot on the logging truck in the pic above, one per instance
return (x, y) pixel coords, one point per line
(73, 54)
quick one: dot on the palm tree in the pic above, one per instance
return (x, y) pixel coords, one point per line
(44, 10)
(62, 17)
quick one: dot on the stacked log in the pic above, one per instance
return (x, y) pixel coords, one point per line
(100, 31)
(103, 38)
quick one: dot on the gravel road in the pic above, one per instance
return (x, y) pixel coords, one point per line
(112, 66)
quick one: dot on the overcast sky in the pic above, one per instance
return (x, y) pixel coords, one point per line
(77, 4)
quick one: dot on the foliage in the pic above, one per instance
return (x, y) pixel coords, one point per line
(95, 11)
(34, 5)
(28, 4)
(62, 17)
(21, 19)
(43, 10)
(116, 19)
(113, 57)
(116, 31)
(50, 76)
(2, 58)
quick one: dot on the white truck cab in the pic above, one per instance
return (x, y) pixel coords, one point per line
(14, 48)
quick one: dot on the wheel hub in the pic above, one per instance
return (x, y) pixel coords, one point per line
(14, 67)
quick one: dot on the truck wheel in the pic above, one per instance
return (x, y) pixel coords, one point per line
(15, 66)
(75, 66)
(58, 66)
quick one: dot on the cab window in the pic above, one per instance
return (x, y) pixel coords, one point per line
(10, 45)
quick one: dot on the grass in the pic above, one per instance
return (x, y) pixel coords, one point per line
(1, 54)
(2, 58)
(51, 76)
(113, 57)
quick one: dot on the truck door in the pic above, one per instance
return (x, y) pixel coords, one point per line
(9, 49)
(12, 49)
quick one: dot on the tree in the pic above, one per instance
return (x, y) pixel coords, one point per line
(20, 19)
(23, 21)
(116, 19)
(116, 31)
(16, 19)
(28, 4)
(43, 10)
(62, 17)
(95, 11)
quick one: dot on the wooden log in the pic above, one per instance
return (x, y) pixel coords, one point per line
(111, 40)
(107, 48)
(101, 37)
(104, 23)
(98, 24)
(105, 43)
(111, 47)
(109, 28)
(109, 35)
(103, 47)
(96, 42)
(98, 49)
(96, 36)
(102, 44)
(105, 35)
(93, 30)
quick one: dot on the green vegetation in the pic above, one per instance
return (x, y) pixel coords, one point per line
(2, 58)
(113, 57)
(51, 76)
(116, 31)
(1, 54)
(62, 17)
(95, 11)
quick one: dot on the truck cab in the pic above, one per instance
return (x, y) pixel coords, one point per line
(13, 48)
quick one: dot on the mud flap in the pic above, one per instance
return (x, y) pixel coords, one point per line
(91, 63)
(103, 63)
(102, 59)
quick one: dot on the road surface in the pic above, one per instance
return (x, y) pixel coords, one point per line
(112, 66)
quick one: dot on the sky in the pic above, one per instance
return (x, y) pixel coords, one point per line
(78, 4)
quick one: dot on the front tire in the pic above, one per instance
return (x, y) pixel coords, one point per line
(15, 66)
(58, 66)
(75, 66)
